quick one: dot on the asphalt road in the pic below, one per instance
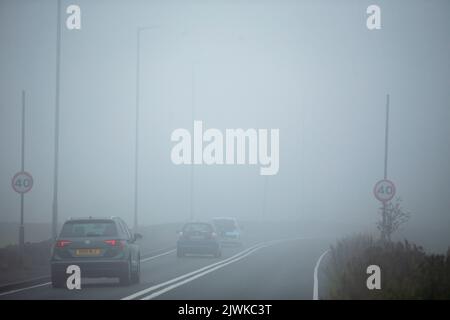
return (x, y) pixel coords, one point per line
(281, 269)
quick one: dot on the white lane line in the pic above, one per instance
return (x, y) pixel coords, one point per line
(147, 290)
(198, 275)
(159, 255)
(48, 283)
(22, 289)
(316, 280)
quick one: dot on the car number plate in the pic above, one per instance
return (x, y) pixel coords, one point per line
(87, 252)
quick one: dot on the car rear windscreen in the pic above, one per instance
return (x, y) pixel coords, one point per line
(79, 229)
(197, 227)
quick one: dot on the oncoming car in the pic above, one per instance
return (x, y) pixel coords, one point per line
(102, 247)
(198, 238)
(228, 230)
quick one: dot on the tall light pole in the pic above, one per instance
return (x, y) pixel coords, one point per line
(22, 227)
(386, 149)
(191, 193)
(57, 98)
(136, 147)
(386, 139)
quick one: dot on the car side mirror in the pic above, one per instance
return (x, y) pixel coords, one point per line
(137, 236)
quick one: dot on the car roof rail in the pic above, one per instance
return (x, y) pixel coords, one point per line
(89, 218)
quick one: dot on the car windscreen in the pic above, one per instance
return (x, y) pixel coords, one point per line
(197, 227)
(225, 225)
(79, 229)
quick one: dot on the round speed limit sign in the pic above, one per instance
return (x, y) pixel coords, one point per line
(22, 182)
(384, 190)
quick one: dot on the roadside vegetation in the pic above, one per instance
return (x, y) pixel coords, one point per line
(407, 271)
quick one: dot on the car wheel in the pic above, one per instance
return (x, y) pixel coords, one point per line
(57, 280)
(135, 277)
(125, 278)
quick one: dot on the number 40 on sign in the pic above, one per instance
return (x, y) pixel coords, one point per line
(384, 190)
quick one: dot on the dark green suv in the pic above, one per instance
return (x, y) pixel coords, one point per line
(100, 247)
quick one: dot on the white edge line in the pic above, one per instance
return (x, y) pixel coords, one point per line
(142, 292)
(22, 289)
(198, 275)
(316, 280)
(157, 256)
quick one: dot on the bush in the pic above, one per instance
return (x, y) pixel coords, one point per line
(407, 272)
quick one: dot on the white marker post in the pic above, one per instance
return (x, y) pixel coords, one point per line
(22, 182)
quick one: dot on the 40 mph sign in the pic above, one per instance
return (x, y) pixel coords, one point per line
(22, 182)
(384, 190)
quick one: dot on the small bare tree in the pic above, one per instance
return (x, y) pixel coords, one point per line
(393, 216)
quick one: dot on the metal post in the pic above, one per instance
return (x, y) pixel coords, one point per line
(192, 213)
(22, 227)
(386, 144)
(55, 169)
(136, 155)
(386, 139)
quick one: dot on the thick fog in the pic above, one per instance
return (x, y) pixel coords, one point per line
(311, 69)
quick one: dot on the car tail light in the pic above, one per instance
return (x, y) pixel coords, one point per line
(115, 243)
(62, 243)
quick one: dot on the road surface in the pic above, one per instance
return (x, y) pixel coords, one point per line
(281, 269)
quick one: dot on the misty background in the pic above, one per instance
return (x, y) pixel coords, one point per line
(310, 68)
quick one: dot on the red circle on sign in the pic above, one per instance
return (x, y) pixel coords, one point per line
(23, 175)
(389, 195)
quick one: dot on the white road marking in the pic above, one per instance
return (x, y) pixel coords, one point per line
(198, 275)
(316, 280)
(22, 289)
(159, 255)
(202, 271)
(152, 288)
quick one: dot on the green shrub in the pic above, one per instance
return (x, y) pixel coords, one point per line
(407, 272)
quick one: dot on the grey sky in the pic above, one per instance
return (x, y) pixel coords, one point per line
(310, 68)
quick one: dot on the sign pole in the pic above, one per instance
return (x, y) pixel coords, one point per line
(56, 155)
(192, 185)
(386, 140)
(136, 150)
(386, 143)
(22, 227)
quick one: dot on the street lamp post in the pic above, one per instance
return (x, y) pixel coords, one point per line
(386, 149)
(56, 155)
(22, 227)
(136, 155)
